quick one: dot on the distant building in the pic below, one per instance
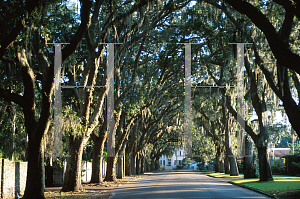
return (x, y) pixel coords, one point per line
(169, 163)
(278, 154)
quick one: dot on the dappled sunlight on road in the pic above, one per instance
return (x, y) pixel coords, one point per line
(181, 184)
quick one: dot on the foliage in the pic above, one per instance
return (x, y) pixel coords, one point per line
(276, 168)
(296, 147)
(240, 167)
(186, 161)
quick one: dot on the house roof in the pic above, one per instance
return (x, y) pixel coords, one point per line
(279, 152)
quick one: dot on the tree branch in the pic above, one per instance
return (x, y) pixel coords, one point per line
(283, 55)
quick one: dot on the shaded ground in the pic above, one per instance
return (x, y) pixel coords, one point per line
(92, 190)
(77, 195)
(289, 194)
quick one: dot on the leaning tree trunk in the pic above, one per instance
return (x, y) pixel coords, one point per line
(72, 179)
(97, 157)
(249, 169)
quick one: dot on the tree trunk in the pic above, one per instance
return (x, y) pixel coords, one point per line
(142, 163)
(124, 165)
(152, 165)
(137, 164)
(127, 165)
(221, 163)
(156, 164)
(132, 164)
(226, 165)
(120, 167)
(147, 165)
(264, 164)
(97, 158)
(217, 167)
(72, 179)
(249, 169)
(234, 171)
(110, 172)
(35, 170)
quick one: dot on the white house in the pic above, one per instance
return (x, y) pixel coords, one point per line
(169, 163)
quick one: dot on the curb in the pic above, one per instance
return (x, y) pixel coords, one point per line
(253, 189)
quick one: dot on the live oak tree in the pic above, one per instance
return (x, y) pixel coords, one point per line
(277, 24)
(36, 127)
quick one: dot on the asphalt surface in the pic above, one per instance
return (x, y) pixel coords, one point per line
(181, 184)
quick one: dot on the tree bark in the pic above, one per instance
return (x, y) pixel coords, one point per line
(156, 164)
(217, 167)
(147, 166)
(72, 180)
(137, 164)
(97, 157)
(152, 167)
(233, 165)
(249, 169)
(35, 170)
(133, 163)
(127, 165)
(221, 163)
(226, 165)
(264, 164)
(110, 172)
(142, 160)
(120, 167)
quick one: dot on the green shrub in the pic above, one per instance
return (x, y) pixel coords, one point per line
(179, 166)
(240, 167)
(276, 168)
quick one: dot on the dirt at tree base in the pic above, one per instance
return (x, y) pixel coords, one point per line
(83, 194)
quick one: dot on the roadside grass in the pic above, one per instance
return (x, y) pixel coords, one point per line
(221, 175)
(283, 186)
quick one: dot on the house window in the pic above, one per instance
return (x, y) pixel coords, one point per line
(180, 153)
(180, 162)
(164, 163)
(160, 162)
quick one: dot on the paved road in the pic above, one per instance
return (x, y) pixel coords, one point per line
(181, 184)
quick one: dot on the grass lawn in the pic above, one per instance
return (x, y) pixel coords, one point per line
(282, 186)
